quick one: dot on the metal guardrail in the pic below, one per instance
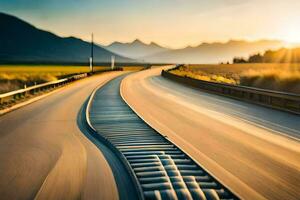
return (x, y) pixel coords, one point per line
(22, 93)
(274, 99)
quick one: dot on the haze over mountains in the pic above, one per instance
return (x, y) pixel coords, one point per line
(136, 49)
(204, 53)
(22, 42)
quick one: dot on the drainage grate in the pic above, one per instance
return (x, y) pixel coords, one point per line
(162, 170)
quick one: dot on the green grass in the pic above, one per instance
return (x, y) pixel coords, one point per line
(281, 77)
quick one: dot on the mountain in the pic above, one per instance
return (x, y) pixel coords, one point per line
(22, 42)
(214, 52)
(135, 49)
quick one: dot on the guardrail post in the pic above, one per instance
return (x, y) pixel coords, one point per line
(284, 103)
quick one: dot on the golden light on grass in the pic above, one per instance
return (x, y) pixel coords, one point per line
(202, 75)
(274, 79)
(133, 68)
(13, 77)
(281, 77)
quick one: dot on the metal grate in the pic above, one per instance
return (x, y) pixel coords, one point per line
(163, 171)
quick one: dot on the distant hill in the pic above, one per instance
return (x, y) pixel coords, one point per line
(136, 49)
(22, 42)
(214, 52)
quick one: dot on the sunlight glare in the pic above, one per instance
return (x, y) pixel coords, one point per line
(291, 33)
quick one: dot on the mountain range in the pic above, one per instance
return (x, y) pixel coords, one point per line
(203, 53)
(22, 42)
(136, 49)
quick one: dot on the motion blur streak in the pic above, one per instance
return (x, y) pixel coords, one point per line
(253, 150)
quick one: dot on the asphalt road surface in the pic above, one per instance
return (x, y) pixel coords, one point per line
(44, 155)
(253, 150)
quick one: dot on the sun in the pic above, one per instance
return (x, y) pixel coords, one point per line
(291, 33)
(293, 36)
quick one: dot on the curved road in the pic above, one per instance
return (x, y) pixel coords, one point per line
(253, 150)
(44, 155)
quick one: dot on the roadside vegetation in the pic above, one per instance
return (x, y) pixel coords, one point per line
(280, 77)
(13, 77)
(133, 68)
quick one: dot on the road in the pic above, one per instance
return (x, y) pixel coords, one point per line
(253, 150)
(160, 168)
(44, 154)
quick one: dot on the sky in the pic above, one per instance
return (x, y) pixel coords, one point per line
(171, 23)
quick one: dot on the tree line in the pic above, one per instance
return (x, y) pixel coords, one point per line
(283, 55)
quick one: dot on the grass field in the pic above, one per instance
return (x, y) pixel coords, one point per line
(13, 77)
(133, 68)
(281, 77)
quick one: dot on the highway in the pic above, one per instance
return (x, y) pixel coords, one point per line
(253, 150)
(45, 155)
(159, 168)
